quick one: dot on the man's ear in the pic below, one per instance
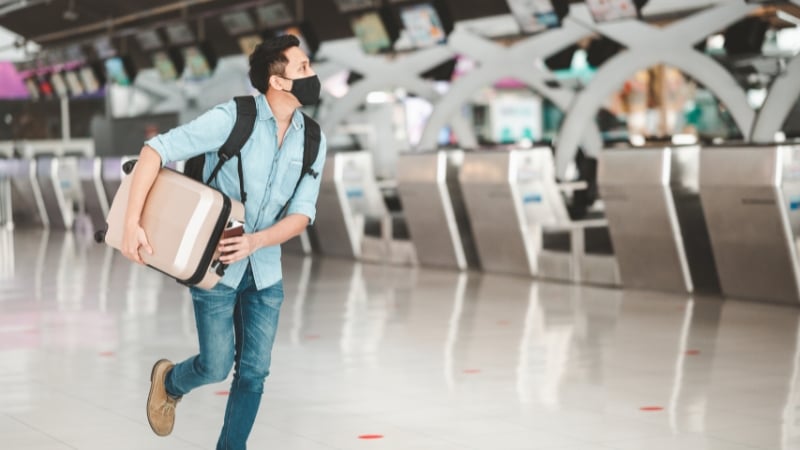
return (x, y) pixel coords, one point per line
(275, 83)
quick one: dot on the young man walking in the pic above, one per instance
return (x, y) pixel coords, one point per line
(237, 320)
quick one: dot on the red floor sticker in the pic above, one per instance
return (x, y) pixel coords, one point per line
(651, 408)
(106, 353)
(472, 371)
(312, 337)
(371, 436)
(222, 393)
(693, 352)
(503, 323)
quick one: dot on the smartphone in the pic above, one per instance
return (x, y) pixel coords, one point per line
(234, 229)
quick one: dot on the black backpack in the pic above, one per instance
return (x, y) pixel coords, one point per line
(242, 129)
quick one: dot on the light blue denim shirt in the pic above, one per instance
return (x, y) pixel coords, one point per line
(270, 174)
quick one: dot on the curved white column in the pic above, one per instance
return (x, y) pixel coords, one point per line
(383, 73)
(647, 46)
(782, 96)
(496, 62)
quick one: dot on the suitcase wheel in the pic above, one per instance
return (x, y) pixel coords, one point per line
(100, 236)
(127, 167)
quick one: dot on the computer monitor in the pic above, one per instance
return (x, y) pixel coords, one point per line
(32, 85)
(59, 85)
(103, 48)
(119, 71)
(73, 83)
(74, 53)
(274, 15)
(610, 10)
(423, 24)
(371, 32)
(179, 34)
(238, 22)
(149, 40)
(91, 78)
(534, 16)
(198, 62)
(347, 6)
(45, 88)
(249, 42)
(168, 64)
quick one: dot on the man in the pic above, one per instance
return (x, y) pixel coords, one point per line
(237, 319)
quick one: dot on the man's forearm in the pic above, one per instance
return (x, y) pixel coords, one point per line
(144, 176)
(285, 229)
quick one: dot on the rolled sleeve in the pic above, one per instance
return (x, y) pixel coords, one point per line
(305, 199)
(204, 134)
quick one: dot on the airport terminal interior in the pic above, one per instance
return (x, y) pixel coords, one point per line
(541, 224)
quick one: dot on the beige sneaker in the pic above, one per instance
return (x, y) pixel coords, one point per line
(160, 406)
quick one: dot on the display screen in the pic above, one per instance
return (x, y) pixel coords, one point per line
(74, 53)
(165, 66)
(423, 25)
(197, 62)
(238, 22)
(371, 33)
(73, 83)
(116, 71)
(534, 15)
(248, 43)
(609, 10)
(354, 5)
(103, 48)
(59, 85)
(45, 88)
(273, 15)
(179, 34)
(89, 79)
(149, 40)
(33, 88)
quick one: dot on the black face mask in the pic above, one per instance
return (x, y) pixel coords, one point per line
(306, 90)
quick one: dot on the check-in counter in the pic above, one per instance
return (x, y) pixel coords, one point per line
(112, 174)
(300, 245)
(60, 188)
(352, 219)
(96, 202)
(434, 209)
(56, 147)
(24, 196)
(751, 201)
(520, 221)
(652, 203)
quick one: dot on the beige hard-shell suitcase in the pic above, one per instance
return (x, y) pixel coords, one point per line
(184, 221)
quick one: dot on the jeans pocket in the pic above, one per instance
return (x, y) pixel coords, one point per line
(220, 290)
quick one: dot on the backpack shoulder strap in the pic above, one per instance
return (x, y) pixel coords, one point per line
(311, 142)
(242, 129)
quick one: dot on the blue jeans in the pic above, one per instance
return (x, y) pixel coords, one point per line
(236, 328)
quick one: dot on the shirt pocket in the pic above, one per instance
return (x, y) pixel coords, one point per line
(289, 180)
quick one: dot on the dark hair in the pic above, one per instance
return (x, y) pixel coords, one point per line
(268, 59)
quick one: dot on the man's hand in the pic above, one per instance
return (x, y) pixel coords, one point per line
(134, 238)
(237, 248)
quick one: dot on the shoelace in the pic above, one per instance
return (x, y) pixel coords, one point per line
(168, 408)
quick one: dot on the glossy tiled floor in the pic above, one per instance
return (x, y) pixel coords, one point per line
(425, 359)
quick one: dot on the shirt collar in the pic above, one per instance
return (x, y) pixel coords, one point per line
(264, 112)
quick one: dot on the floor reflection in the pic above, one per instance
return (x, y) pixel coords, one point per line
(441, 359)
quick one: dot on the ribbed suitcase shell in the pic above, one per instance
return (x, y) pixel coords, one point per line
(183, 220)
